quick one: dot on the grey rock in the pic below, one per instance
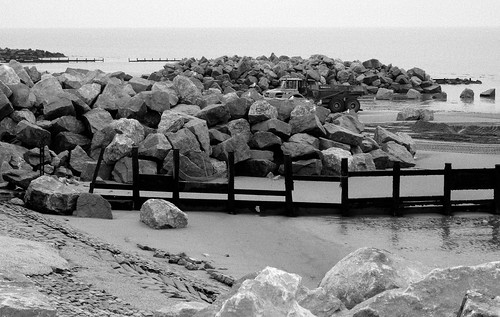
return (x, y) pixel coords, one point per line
(307, 124)
(264, 140)
(92, 206)
(331, 159)
(69, 140)
(276, 126)
(299, 150)
(32, 135)
(97, 119)
(155, 145)
(398, 153)
(89, 93)
(184, 140)
(78, 159)
(342, 135)
(467, 94)
(161, 214)
(120, 147)
(261, 110)
(46, 88)
(214, 114)
(122, 170)
(236, 144)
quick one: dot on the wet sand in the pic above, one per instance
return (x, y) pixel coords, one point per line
(310, 246)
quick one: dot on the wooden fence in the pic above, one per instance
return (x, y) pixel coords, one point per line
(453, 180)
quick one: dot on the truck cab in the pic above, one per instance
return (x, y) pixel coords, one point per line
(290, 87)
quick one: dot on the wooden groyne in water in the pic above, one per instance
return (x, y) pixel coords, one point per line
(145, 60)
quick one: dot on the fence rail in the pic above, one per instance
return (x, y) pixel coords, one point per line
(396, 204)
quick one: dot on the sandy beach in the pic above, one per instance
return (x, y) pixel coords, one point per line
(310, 246)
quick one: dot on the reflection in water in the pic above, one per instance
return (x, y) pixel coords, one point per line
(452, 234)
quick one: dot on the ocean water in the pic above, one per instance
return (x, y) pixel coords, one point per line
(441, 52)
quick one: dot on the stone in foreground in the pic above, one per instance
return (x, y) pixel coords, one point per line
(47, 194)
(368, 272)
(92, 206)
(161, 214)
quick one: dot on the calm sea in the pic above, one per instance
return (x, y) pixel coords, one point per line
(442, 52)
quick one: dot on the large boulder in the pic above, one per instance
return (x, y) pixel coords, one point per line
(19, 177)
(348, 121)
(308, 123)
(398, 153)
(167, 87)
(305, 138)
(32, 135)
(89, 93)
(69, 140)
(78, 159)
(186, 89)
(158, 101)
(264, 140)
(184, 140)
(476, 304)
(140, 84)
(276, 126)
(171, 121)
(92, 206)
(8, 75)
(342, 135)
(130, 128)
(155, 145)
(332, 158)
(56, 107)
(367, 272)
(236, 144)
(161, 214)
(214, 114)
(490, 93)
(439, 293)
(122, 170)
(46, 88)
(272, 293)
(300, 151)
(261, 110)
(5, 106)
(97, 119)
(238, 127)
(467, 94)
(113, 97)
(120, 147)
(384, 94)
(238, 108)
(47, 194)
(22, 96)
(307, 167)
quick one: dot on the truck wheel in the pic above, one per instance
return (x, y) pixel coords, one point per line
(353, 105)
(336, 105)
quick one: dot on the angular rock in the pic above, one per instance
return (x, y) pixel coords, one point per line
(161, 214)
(130, 128)
(476, 304)
(271, 293)
(238, 108)
(490, 93)
(319, 302)
(261, 110)
(22, 96)
(217, 136)
(78, 159)
(307, 124)
(236, 144)
(8, 75)
(238, 127)
(298, 151)
(5, 106)
(331, 159)
(24, 114)
(120, 147)
(55, 107)
(276, 126)
(305, 138)
(92, 206)
(32, 135)
(113, 97)
(191, 110)
(413, 94)
(192, 166)
(186, 89)
(20, 177)
(184, 140)
(89, 93)
(307, 167)
(362, 162)
(140, 84)
(135, 108)
(398, 153)
(167, 87)
(97, 119)
(263, 155)
(155, 145)
(214, 114)
(367, 272)
(49, 195)
(200, 129)
(342, 135)
(384, 94)
(467, 94)
(348, 121)
(46, 88)
(69, 140)
(171, 121)
(122, 170)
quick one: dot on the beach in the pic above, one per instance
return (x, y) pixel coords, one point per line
(311, 245)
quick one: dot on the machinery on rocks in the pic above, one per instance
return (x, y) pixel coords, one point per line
(337, 98)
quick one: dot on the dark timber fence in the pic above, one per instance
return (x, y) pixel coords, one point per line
(453, 180)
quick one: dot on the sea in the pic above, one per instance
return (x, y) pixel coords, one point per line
(441, 52)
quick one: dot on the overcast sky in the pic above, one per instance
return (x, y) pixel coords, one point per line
(250, 13)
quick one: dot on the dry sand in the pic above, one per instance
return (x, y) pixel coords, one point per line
(310, 246)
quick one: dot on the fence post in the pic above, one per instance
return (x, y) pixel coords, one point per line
(290, 210)
(135, 178)
(496, 190)
(175, 193)
(96, 170)
(230, 183)
(447, 189)
(396, 184)
(344, 185)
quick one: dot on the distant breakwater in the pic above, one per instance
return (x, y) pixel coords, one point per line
(7, 54)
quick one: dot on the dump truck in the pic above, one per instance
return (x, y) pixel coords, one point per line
(337, 98)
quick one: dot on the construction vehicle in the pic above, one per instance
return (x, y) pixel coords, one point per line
(337, 98)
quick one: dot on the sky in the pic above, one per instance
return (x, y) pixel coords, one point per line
(249, 13)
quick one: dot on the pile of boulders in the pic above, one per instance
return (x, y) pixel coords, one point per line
(262, 73)
(368, 282)
(77, 113)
